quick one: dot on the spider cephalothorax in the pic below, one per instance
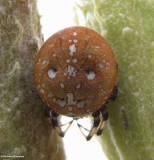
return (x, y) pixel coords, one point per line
(75, 72)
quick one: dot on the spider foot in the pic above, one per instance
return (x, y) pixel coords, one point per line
(100, 117)
(105, 116)
(55, 122)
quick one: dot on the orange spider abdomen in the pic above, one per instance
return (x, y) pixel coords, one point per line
(75, 71)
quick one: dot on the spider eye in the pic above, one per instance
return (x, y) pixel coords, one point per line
(90, 74)
(52, 73)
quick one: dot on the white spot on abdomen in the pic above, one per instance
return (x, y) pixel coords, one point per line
(62, 85)
(45, 62)
(52, 73)
(75, 60)
(70, 70)
(97, 46)
(80, 104)
(75, 40)
(42, 91)
(74, 33)
(89, 56)
(72, 49)
(70, 99)
(50, 94)
(78, 86)
(68, 60)
(61, 102)
(54, 55)
(90, 75)
(101, 65)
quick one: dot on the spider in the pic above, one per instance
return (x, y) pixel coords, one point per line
(75, 75)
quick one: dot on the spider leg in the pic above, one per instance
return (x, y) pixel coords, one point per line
(104, 113)
(96, 123)
(104, 119)
(100, 117)
(81, 127)
(114, 93)
(55, 123)
(48, 112)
